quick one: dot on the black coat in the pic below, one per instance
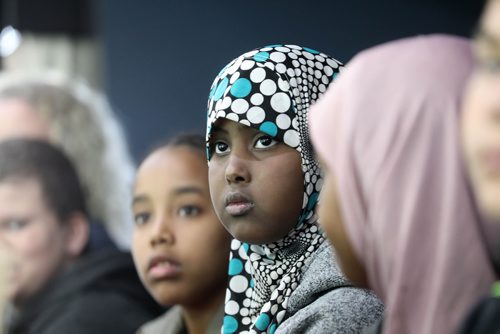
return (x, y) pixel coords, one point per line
(485, 318)
(101, 293)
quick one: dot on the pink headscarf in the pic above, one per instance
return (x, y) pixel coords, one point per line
(389, 131)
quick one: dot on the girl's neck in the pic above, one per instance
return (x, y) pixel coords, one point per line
(198, 317)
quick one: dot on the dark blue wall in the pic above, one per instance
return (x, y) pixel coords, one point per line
(161, 56)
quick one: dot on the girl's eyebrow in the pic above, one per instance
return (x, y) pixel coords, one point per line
(176, 192)
(187, 190)
(139, 199)
(218, 129)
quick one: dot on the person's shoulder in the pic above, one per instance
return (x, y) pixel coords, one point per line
(100, 296)
(170, 322)
(319, 275)
(351, 305)
(343, 310)
(99, 312)
(111, 275)
(325, 301)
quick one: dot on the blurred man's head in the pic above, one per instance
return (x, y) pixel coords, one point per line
(43, 217)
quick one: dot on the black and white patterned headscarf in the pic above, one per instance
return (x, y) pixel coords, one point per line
(271, 89)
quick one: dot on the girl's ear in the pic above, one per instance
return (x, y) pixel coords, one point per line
(78, 235)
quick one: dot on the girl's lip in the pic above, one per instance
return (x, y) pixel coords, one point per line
(239, 209)
(238, 204)
(162, 267)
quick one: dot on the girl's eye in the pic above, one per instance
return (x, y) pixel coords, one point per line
(221, 147)
(141, 218)
(14, 224)
(490, 65)
(487, 58)
(265, 142)
(189, 211)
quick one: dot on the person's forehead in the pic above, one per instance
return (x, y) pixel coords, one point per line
(24, 189)
(225, 125)
(18, 119)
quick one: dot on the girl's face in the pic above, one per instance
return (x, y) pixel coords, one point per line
(481, 119)
(37, 240)
(256, 183)
(330, 218)
(179, 247)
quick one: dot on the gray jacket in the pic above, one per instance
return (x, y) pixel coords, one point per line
(325, 301)
(172, 323)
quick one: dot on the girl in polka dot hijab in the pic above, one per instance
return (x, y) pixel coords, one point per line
(264, 184)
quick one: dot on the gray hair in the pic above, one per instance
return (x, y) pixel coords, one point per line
(82, 123)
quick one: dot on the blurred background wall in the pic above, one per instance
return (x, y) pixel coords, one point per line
(156, 59)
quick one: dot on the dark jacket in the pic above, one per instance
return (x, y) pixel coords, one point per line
(485, 318)
(101, 293)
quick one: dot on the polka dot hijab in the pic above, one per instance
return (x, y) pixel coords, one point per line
(271, 89)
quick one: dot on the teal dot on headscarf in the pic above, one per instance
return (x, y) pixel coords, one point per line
(212, 91)
(235, 267)
(230, 325)
(272, 329)
(221, 88)
(301, 220)
(312, 200)
(269, 128)
(241, 87)
(261, 56)
(246, 247)
(262, 322)
(252, 283)
(311, 51)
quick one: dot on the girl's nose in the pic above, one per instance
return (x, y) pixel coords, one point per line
(237, 170)
(161, 234)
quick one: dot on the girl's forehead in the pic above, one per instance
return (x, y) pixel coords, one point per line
(232, 128)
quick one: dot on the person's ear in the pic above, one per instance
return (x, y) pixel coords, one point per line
(78, 234)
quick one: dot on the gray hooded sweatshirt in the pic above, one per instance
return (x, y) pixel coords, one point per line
(326, 302)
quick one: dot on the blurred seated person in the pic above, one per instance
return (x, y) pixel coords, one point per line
(80, 121)
(179, 246)
(56, 286)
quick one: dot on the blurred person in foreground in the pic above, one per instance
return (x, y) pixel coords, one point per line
(481, 143)
(396, 199)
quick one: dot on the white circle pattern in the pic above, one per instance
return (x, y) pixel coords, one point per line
(256, 115)
(283, 121)
(239, 106)
(257, 99)
(280, 102)
(258, 75)
(268, 87)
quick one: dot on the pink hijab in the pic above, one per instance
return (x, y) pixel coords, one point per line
(389, 131)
